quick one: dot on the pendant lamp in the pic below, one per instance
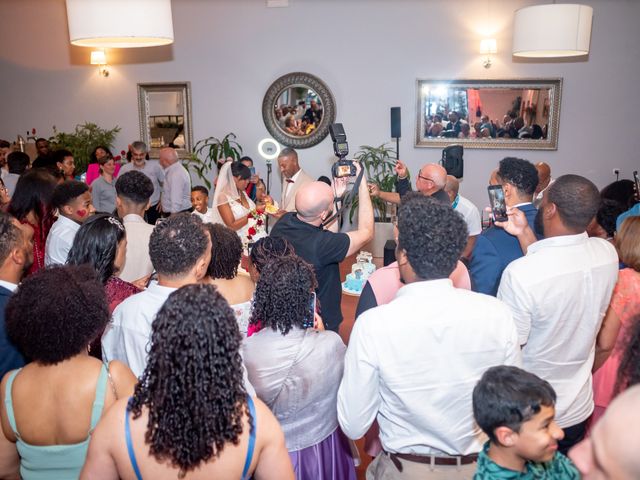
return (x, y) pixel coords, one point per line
(119, 23)
(555, 30)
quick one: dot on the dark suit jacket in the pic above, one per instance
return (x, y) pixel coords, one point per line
(10, 357)
(494, 250)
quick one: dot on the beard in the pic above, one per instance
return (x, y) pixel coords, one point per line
(538, 224)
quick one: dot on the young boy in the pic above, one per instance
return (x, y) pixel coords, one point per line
(72, 199)
(200, 204)
(516, 409)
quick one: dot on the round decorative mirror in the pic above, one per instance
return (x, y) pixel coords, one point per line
(298, 109)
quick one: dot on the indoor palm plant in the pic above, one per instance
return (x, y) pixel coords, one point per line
(208, 153)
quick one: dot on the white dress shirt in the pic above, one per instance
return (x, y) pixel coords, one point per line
(127, 336)
(176, 195)
(471, 215)
(207, 217)
(558, 294)
(59, 241)
(413, 363)
(137, 263)
(151, 169)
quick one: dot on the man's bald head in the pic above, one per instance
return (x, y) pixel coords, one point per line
(168, 156)
(544, 175)
(432, 177)
(612, 450)
(452, 187)
(312, 199)
(494, 178)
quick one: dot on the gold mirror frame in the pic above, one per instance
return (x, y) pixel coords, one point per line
(184, 88)
(549, 143)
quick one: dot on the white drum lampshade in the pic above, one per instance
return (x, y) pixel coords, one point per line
(119, 23)
(555, 30)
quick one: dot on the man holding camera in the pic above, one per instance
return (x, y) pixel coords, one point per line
(322, 248)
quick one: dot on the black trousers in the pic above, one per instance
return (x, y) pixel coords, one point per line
(572, 436)
(152, 214)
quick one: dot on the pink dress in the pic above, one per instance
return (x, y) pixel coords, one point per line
(625, 303)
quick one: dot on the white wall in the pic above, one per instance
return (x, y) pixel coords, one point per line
(369, 52)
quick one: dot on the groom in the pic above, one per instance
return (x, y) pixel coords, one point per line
(293, 177)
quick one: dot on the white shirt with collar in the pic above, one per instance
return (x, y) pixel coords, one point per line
(8, 285)
(127, 336)
(176, 195)
(60, 240)
(471, 215)
(537, 199)
(412, 365)
(137, 263)
(558, 294)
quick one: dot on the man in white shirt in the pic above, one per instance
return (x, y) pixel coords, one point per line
(412, 364)
(558, 294)
(16, 256)
(133, 190)
(544, 180)
(293, 177)
(153, 170)
(468, 210)
(176, 194)
(180, 250)
(72, 199)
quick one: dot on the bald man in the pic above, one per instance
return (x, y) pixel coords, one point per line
(544, 180)
(611, 452)
(322, 248)
(176, 194)
(431, 181)
(468, 210)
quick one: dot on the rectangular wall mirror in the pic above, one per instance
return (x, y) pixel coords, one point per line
(515, 114)
(165, 116)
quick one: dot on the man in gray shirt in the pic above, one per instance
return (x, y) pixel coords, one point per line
(150, 169)
(176, 196)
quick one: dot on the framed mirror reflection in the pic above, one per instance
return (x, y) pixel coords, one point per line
(494, 114)
(165, 117)
(298, 109)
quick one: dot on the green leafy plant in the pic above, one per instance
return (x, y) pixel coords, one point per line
(207, 153)
(378, 163)
(84, 139)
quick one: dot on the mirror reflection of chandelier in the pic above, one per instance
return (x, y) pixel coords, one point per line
(552, 31)
(119, 23)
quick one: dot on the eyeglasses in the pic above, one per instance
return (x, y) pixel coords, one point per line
(427, 179)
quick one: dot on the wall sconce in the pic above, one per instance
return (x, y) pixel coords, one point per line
(99, 58)
(487, 47)
(547, 31)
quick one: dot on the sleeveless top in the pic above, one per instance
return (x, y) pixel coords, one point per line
(44, 462)
(247, 460)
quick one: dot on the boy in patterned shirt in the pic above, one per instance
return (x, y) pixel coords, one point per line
(516, 409)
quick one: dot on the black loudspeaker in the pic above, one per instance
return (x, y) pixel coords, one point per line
(452, 160)
(395, 122)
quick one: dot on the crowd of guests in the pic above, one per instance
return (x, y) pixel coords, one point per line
(131, 349)
(299, 120)
(512, 126)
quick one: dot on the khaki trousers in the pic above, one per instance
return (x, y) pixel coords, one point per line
(382, 468)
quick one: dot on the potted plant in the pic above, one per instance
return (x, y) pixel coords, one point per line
(84, 139)
(212, 150)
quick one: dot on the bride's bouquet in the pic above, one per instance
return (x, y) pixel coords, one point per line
(256, 225)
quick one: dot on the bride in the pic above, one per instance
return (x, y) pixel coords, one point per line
(231, 205)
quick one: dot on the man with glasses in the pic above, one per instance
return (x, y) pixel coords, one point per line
(153, 170)
(431, 181)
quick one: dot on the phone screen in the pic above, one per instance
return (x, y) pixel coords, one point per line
(498, 205)
(309, 322)
(253, 170)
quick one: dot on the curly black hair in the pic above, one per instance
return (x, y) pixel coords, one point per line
(607, 214)
(520, 173)
(134, 186)
(177, 243)
(56, 312)
(283, 296)
(10, 236)
(576, 199)
(226, 251)
(96, 244)
(192, 385)
(622, 191)
(629, 369)
(432, 234)
(67, 191)
(268, 248)
(201, 189)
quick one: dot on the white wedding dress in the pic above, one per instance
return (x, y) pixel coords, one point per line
(226, 192)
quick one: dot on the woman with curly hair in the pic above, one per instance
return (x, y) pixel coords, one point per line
(102, 243)
(190, 415)
(31, 204)
(296, 370)
(50, 407)
(226, 252)
(623, 312)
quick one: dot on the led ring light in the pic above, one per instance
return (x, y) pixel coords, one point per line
(264, 152)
